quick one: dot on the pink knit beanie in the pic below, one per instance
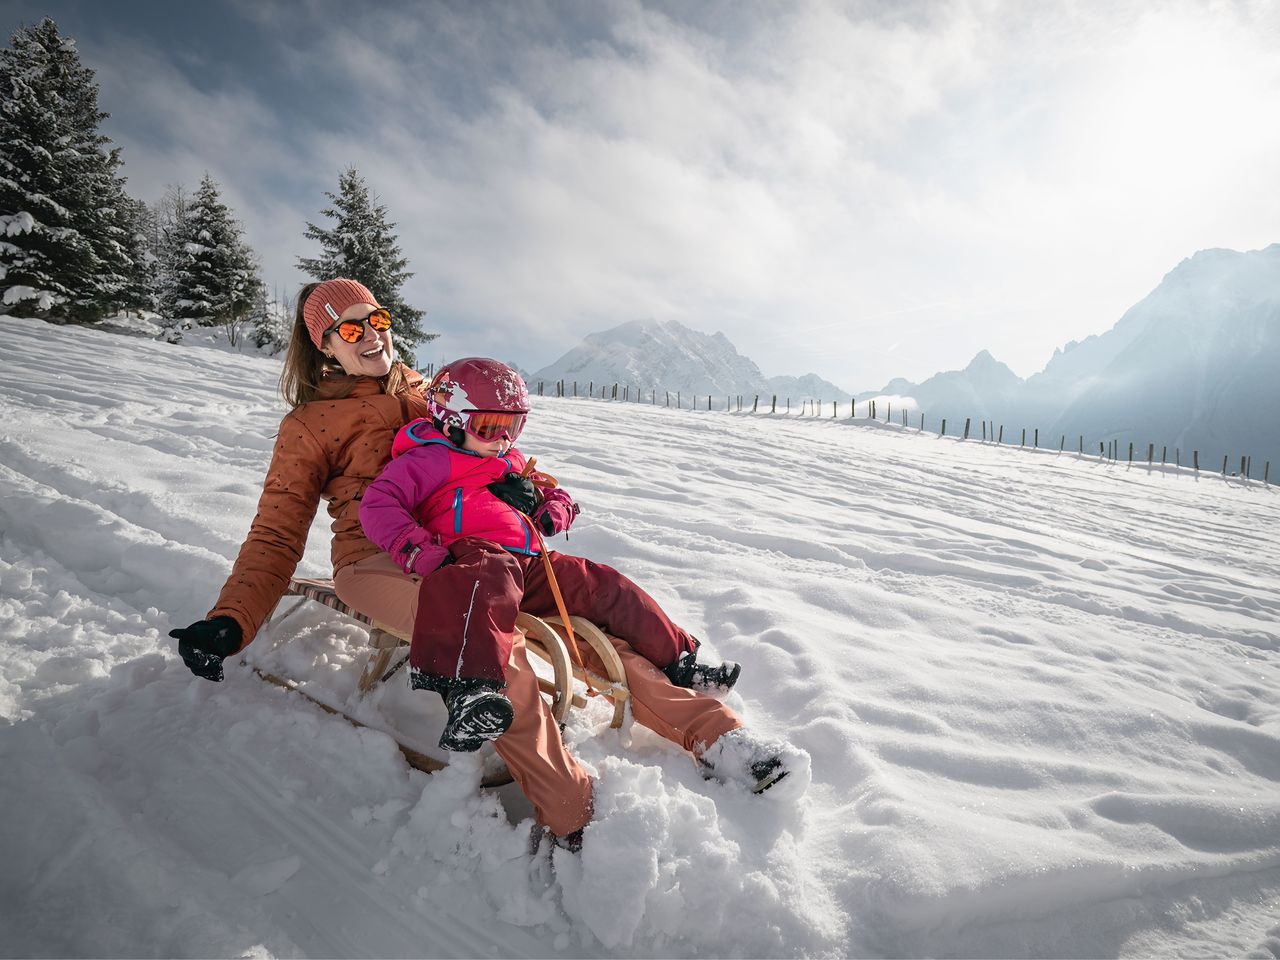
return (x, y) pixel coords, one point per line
(327, 301)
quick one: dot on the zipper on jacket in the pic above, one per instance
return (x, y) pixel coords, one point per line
(457, 510)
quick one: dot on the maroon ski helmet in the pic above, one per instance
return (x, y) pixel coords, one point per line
(475, 385)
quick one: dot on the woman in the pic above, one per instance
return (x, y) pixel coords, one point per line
(349, 397)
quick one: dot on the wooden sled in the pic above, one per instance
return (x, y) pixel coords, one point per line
(543, 637)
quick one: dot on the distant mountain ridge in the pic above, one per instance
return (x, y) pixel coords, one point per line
(663, 355)
(1195, 365)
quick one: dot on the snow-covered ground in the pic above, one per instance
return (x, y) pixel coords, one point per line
(1040, 693)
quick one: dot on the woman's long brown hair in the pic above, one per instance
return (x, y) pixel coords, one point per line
(306, 367)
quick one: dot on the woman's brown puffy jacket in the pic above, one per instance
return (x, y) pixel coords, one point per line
(330, 449)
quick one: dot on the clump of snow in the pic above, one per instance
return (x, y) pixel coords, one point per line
(42, 299)
(13, 224)
(132, 326)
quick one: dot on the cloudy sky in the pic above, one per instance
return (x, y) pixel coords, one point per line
(860, 190)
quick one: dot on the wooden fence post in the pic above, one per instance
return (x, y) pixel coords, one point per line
(1266, 473)
(1036, 444)
(1024, 437)
(774, 408)
(873, 409)
(1062, 443)
(1082, 444)
(679, 401)
(1131, 451)
(1151, 453)
(943, 431)
(1243, 470)
(966, 427)
(922, 423)
(539, 388)
(888, 411)
(1224, 465)
(1164, 455)
(668, 393)
(755, 403)
(1100, 454)
(1000, 439)
(1195, 460)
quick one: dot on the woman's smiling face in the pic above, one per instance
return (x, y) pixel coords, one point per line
(371, 355)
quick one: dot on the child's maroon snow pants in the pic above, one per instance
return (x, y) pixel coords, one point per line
(472, 605)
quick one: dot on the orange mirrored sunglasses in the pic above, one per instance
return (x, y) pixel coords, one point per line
(353, 330)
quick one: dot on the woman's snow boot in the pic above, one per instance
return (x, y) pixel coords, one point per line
(756, 763)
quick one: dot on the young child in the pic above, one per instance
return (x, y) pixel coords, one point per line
(455, 507)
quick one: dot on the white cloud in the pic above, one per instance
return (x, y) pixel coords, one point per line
(850, 190)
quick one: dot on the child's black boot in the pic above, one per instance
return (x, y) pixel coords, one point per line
(688, 672)
(478, 710)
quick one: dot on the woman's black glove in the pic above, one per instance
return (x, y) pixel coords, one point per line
(516, 490)
(206, 643)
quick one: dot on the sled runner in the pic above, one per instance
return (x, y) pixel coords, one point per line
(388, 653)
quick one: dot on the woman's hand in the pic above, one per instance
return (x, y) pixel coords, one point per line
(206, 643)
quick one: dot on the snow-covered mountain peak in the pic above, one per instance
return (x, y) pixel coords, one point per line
(665, 355)
(986, 366)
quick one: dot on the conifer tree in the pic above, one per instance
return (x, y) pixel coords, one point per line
(361, 245)
(210, 274)
(270, 323)
(142, 291)
(64, 214)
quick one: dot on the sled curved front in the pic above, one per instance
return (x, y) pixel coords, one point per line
(614, 686)
(540, 639)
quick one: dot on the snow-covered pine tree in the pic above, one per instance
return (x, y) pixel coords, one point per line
(210, 275)
(64, 219)
(362, 246)
(270, 322)
(142, 291)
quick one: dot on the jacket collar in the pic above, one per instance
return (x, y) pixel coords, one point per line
(345, 385)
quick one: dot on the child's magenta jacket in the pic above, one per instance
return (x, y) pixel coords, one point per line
(433, 493)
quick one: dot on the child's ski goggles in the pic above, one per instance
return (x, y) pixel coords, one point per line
(352, 331)
(489, 426)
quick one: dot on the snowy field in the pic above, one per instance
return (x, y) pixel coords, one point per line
(1041, 693)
